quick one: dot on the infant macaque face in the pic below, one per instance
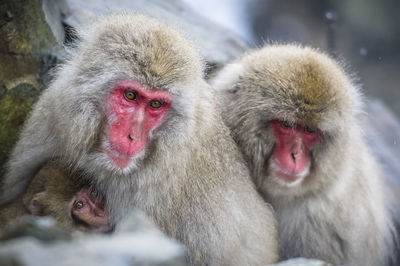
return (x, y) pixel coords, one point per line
(88, 211)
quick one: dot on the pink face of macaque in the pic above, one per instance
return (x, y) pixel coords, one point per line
(89, 212)
(135, 111)
(290, 160)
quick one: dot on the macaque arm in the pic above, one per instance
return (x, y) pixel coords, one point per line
(31, 151)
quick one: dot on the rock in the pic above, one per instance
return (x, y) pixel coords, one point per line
(28, 49)
(15, 104)
(137, 243)
(302, 262)
(44, 229)
(217, 45)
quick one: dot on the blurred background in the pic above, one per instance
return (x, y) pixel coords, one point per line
(364, 33)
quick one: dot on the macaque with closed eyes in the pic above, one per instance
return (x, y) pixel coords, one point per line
(132, 112)
(295, 114)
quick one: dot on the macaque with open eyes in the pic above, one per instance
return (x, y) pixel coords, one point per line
(52, 192)
(295, 115)
(131, 111)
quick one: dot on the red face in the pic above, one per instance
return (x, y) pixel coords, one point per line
(291, 156)
(135, 111)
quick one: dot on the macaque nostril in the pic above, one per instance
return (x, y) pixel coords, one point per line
(293, 156)
(130, 137)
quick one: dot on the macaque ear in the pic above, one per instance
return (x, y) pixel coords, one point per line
(36, 206)
(227, 78)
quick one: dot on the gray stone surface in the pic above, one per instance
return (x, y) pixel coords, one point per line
(30, 37)
(302, 262)
(52, 13)
(137, 242)
(216, 44)
(44, 229)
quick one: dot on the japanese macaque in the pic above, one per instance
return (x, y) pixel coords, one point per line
(294, 113)
(53, 193)
(132, 112)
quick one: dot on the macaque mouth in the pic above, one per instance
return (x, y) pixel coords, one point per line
(117, 153)
(288, 176)
(106, 228)
(120, 160)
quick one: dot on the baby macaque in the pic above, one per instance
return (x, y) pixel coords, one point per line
(52, 192)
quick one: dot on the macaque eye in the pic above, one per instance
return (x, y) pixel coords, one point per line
(155, 104)
(130, 95)
(285, 124)
(310, 130)
(78, 204)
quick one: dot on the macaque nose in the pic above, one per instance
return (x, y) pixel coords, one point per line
(297, 149)
(137, 126)
(136, 132)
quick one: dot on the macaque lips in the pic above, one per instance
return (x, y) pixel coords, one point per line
(290, 160)
(135, 111)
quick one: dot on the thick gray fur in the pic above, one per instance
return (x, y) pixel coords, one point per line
(338, 212)
(190, 179)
